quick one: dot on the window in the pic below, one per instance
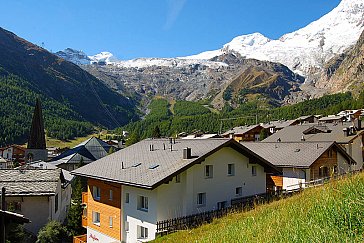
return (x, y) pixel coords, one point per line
(178, 178)
(221, 205)
(110, 222)
(323, 171)
(208, 171)
(126, 226)
(254, 170)
(143, 203)
(231, 170)
(96, 192)
(127, 197)
(110, 195)
(201, 199)
(13, 206)
(142, 232)
(96, 218)
(239, 191)
(330, 153)
(56, 203)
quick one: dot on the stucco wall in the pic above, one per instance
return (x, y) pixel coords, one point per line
(180, 199)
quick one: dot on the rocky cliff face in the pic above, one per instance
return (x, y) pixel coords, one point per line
(345, 72)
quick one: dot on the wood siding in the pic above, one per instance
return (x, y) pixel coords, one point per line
(248, 136)
(328, 159)
(106, 207)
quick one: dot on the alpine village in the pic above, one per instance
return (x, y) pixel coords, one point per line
(223, 146)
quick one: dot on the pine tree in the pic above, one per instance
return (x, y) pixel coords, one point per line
(74, 217)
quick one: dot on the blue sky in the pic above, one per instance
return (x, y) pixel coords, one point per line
(159, 28)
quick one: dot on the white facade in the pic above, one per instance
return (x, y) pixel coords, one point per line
(177, 199)
(294, 178)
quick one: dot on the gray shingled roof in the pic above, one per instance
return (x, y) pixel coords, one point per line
(240, 130)
(293, 154)
(30, 182)
(295, 133)
(169, 163)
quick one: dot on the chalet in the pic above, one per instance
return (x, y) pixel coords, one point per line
(350, 115)
(301, 162)
(244, 133)
(275, 126)
(40, 195)
(5, 164)
(346, 135)
(131, 190)
(332, 119)
(90, 150)
(13, 153)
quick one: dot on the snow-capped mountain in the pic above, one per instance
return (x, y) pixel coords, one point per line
(75, 56)
(80, 58)
(306, 49)
(103, 57)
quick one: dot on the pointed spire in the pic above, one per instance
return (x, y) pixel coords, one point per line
(37, 137)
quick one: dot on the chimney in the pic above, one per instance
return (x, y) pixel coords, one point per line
(303, 138)
(346, 132)
(357, 123)
(187, 153)
(171, 148)
(164, 146)
(170, 140)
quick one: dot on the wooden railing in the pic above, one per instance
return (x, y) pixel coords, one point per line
(191, 221)
(80, 239)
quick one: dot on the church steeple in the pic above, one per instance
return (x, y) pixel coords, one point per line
(37, 137)
(36, 149)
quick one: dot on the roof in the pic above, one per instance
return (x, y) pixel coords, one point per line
(90, 149)
(30, 182)
(241, 129)
(131, 166)
(334, 133)
(14, 217)
(202, 136)
(294, 154)
(46, 165)
(331, 118)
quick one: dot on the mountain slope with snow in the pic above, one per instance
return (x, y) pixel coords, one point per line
(305, 50)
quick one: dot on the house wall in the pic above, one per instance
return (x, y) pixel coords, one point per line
(41, 209)
(250, 136)
(107, 208)
(180, 199)
(293, 177)
(135, 217)
(356, 153)
(35, 208)
(324, 160)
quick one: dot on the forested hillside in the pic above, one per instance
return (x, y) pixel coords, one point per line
(73, 100)
(190, 116)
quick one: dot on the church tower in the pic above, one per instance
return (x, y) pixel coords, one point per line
(36, 149)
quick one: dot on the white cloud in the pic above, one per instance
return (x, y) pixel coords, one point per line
(174, 9)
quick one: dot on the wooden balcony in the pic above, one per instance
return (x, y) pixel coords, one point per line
(84, 213)
(80, 239)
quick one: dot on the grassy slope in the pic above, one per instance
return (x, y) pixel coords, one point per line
(333, 213)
